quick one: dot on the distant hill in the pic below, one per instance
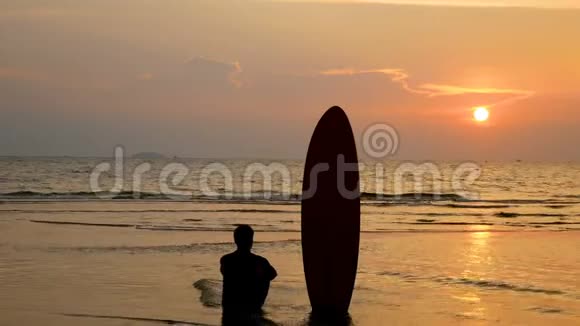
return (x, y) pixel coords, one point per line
(148, 155)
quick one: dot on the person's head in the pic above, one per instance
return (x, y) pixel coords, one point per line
(244, 237)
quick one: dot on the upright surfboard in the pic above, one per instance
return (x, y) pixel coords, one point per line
(331, 215)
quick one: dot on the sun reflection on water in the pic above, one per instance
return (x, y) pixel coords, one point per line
(478, 263)
(477, 258)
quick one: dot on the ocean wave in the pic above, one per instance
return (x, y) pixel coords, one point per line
(568, 196)
(89, 195)
(225, 228)
(275, 229)
(513, 214)
(163, 227)
(554, 223)
(118, 225)
(432, 222)
(501, 214)
(557, 206)
(480, 283)
(259, 195)
(497, 285)
(236, 210)
(518, 201)
(211, 292)
(415, 213)
(547, 310)
(368, 198)
(136, 319)
(213, 247)
(419, 196)
(474, 206)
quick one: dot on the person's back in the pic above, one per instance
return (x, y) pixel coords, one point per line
(246, 276)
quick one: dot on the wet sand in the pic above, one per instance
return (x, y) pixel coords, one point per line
(471, 275)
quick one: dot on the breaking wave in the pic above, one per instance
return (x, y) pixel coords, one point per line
(255, 196)
(211, 292)
(480, 283)
(212, 247)
(497, 285)
(456, 200)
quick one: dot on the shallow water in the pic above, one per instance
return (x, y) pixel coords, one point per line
(67, 257)
(447, 274)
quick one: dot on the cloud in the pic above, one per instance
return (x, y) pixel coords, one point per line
(450, 90)
(401, 77)
(198, 73)
(208, 69)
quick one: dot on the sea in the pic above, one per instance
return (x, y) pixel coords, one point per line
(103, 241)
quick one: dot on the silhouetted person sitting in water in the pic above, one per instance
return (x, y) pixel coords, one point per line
(246, 277)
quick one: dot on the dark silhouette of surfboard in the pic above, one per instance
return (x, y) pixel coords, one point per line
(331, 215)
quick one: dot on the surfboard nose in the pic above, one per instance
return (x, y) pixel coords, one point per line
(334, 112)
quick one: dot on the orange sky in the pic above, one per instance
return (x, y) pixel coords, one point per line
(250, 79)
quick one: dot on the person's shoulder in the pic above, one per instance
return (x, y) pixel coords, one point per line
(261, 259)
(226, 257)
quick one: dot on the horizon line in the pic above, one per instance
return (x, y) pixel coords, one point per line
(361, 159)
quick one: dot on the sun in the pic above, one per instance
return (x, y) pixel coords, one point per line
(481, 114)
